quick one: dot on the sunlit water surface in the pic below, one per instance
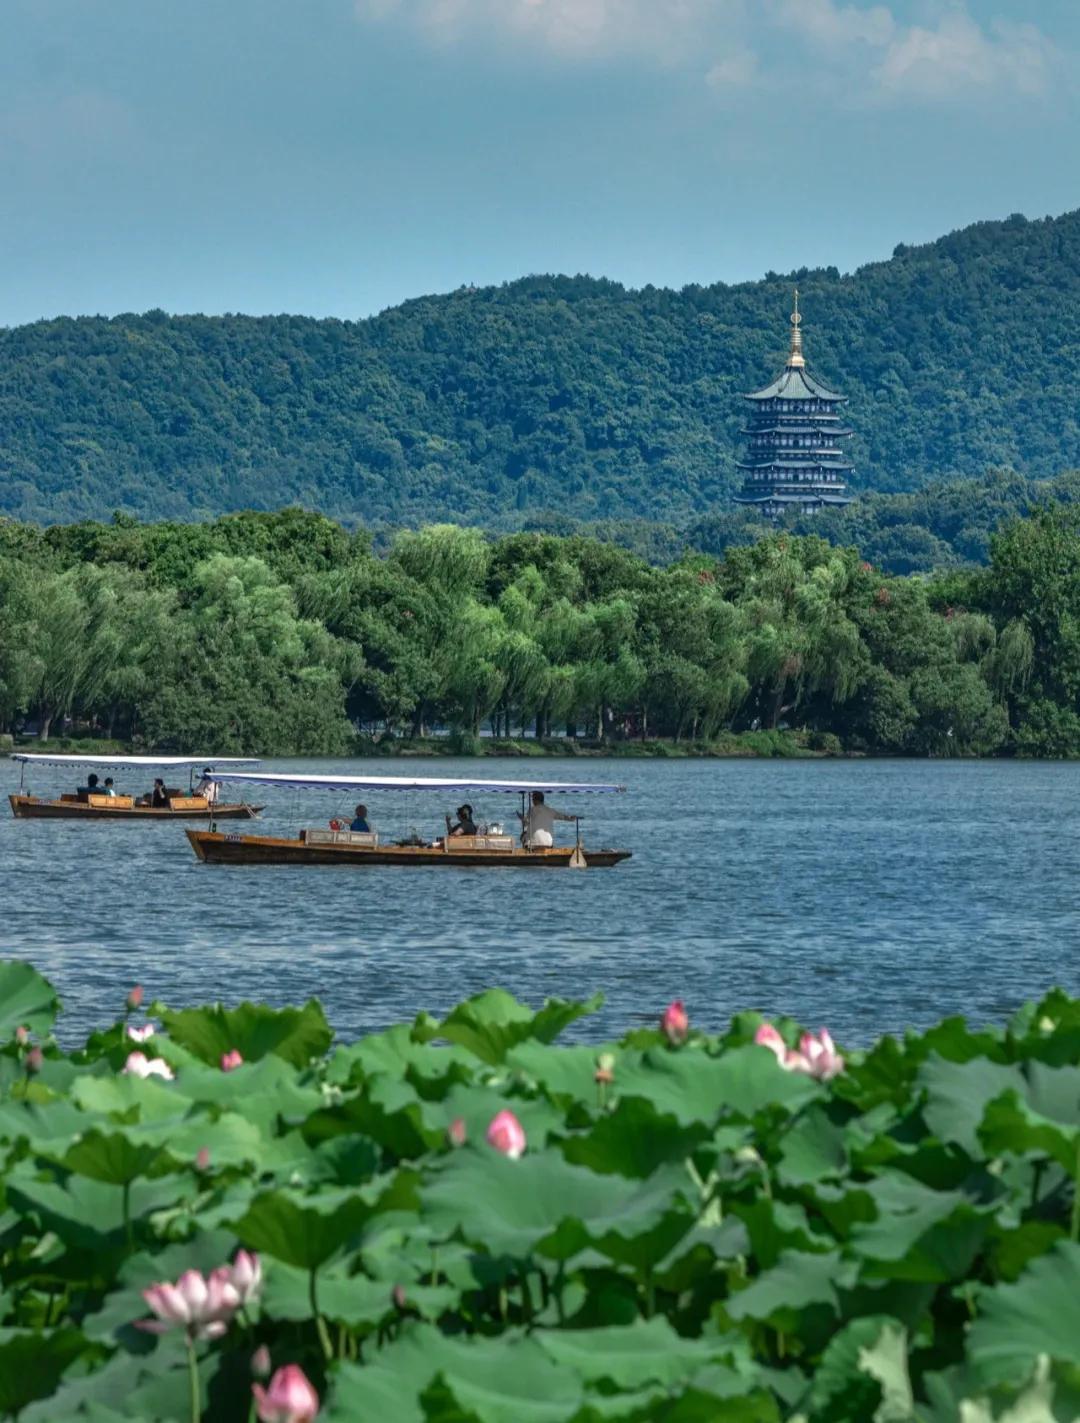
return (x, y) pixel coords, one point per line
(868, 896)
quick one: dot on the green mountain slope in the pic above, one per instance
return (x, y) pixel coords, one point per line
(552, 394)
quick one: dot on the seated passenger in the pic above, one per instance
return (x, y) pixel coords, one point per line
(108, 788)
(360, 821)
(91, 787)
(159, 796)
(464, 825)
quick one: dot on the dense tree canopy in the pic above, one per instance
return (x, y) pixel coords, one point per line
(553, 396)
(279, 633)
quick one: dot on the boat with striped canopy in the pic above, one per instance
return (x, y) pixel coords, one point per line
(336, 844)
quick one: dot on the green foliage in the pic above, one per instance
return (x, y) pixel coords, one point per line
(282, 634)
(699, 1235)
(554, 396)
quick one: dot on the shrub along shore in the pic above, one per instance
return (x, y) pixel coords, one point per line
(212, 1211)
(283, 634)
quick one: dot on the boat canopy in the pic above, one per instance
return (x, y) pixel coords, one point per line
(36, 758)
(408, 783)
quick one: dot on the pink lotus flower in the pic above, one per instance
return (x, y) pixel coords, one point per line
(289, 1399)
(22, 1035)
(135, 998)
(260, 1362)
(201, 1306)
(247, 1276)
(817, 1056)
(820, 1052)
(506, 1134)
(35, 1060)
(675, 1022)
(456, 1133)
(139, 1065)
(141, 1035)
(231, 1060)
(202, 1159)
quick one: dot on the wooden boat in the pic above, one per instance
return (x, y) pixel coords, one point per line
(339, 846)
(91, 806)
(329, 847)
(124, 807)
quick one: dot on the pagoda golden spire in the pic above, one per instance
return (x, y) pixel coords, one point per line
(795, 356)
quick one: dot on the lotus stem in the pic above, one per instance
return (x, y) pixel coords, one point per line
(129, 1234)
(1074, 1228)
(320, 1322)
(526, 1298)
(193, 1379)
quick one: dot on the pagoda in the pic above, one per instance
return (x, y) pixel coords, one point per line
(793, 459)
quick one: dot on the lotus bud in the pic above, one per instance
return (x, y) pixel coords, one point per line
(135, 998)
(675, 1023)
(260, 1363)
(231, 1060)
(35, 1059)
(605, 1068)
(455, 1132)
(1046, 1025)
(22, 1035)
(506, 1134)
(400, 1298)
(289, 1399)
(246, 1276)
(202, 1159)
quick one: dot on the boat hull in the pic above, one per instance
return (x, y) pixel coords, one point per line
(27, 807)
(220, 849)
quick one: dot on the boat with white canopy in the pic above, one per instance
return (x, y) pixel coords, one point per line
(92, 801)
(336, 844)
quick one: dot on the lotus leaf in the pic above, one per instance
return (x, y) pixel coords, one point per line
(295, 1034)
(26, 999)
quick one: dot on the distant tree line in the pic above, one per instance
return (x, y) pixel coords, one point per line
(549, 395)
(278, 633)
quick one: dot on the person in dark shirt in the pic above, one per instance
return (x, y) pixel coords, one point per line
(91, 787)
(360, 820)
(464, 825)
(159, 796)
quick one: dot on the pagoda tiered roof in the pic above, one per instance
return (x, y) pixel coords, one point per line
(796, 383)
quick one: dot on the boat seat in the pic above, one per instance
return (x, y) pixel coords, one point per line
(455, 844)
(188, 802)
(369, 839)
(110, 802)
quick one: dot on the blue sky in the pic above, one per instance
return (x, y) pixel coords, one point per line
(334, 157)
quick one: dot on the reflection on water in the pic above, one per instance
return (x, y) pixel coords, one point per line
(864, 895)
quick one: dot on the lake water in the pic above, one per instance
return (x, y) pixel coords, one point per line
(864, 895)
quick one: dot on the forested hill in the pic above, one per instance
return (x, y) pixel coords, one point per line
(556, 394)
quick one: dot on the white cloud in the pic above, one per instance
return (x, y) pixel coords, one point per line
(892, 60)
(667, 30)
(737, 70)
(878, 58)
(829, 25)
(961, 55)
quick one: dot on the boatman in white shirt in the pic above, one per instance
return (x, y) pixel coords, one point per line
(208, 789)
(538, 823)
